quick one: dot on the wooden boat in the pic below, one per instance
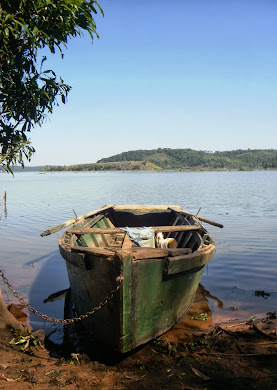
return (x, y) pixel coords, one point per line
(158, 284)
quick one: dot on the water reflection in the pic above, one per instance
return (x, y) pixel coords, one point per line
(41, 258)
(52, 277)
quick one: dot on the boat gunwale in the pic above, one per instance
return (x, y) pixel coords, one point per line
(137, 253)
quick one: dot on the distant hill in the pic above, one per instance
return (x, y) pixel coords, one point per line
(179, 159)
(188, 159)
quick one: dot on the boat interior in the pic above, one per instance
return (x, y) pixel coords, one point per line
(111, 224)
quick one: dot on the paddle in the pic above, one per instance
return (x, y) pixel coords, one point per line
(197, 217)
(73, 220)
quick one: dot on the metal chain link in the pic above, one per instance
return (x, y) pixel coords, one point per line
(119, 281)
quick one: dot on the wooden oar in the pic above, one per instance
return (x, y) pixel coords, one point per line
(197, 217)
(73, 220)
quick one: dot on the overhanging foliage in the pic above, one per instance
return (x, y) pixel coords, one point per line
(28, 92)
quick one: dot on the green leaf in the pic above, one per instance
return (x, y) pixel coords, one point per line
(35, 31)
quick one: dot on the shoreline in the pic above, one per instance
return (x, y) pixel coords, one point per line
(194, 354)
(144, 171)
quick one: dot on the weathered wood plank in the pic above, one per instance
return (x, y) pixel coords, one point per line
(146, 207)
(178, 264)
(206, 248)
(103, 252)
(152, 253)
(180, 228)
(140, 253)
(177, 228)
(127, 243)
(182, 263)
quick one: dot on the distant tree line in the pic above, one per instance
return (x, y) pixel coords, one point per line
(107, 166)
(167, 158)
(180, 159)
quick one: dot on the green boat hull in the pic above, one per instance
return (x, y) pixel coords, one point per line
(155, 293)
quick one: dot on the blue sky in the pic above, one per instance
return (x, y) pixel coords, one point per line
(180, 74)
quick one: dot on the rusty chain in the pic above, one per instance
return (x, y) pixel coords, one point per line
(119, 281)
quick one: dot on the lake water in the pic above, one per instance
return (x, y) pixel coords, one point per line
(244, 202)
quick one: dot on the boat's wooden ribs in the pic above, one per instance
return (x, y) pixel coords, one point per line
(173, 222)
(103, 224)
(180, 237)
(187, 238)
(86, 240)
(97, 240)
(176, 235)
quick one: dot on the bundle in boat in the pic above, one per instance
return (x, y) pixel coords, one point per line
(159, 283)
